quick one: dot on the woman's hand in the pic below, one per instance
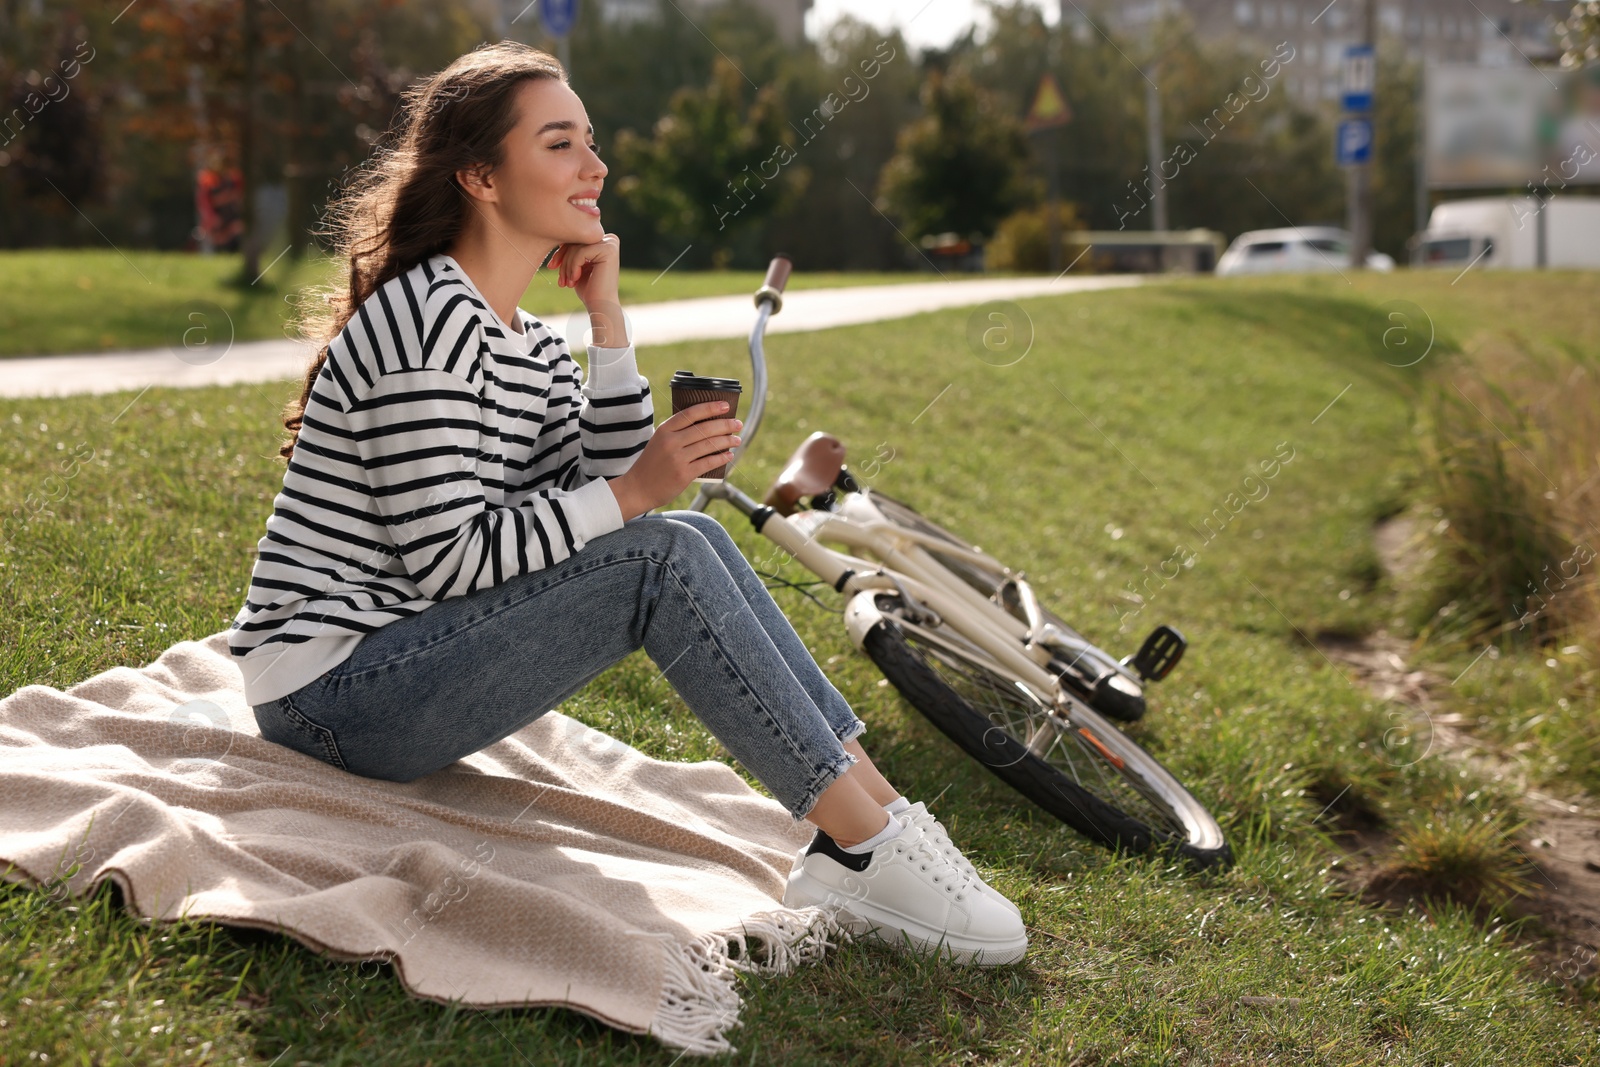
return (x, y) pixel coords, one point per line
(681, 450)
(592, 271)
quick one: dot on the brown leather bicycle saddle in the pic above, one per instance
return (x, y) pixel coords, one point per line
(812, 469)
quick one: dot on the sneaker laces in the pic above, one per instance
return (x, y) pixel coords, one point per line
(925, 850)
(939, 838)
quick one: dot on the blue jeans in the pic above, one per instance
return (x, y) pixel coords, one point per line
(424, 691)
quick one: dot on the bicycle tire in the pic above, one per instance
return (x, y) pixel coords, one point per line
(1172, 821)
(1113, 699)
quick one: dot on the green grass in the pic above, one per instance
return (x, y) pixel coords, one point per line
(61, 301)
(1133, 416)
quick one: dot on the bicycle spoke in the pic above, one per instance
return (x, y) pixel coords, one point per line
(1020, 714)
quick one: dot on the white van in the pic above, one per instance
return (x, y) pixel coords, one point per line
(1294, 248)
(1504, 231)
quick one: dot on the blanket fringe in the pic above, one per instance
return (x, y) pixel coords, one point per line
(699, 998)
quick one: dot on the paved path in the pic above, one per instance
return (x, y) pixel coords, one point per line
(706, 318)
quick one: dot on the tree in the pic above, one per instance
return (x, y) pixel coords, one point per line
(56, 158)
(962, 166)
(1103, 146)
(712, 167)
(621, 93)
(1239, 152)
(1396, 115)
(168, 79)
(875, 80)
(1228, 125)
(52, 118)
(1579, 32)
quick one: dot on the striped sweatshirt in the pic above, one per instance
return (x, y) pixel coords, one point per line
(441, 452)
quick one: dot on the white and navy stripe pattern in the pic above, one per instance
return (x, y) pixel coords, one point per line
(440, 453)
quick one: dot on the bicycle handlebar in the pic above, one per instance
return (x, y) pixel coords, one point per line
(769, 301)
(772, 287)
(778, 272)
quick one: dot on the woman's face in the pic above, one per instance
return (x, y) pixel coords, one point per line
(552, 175)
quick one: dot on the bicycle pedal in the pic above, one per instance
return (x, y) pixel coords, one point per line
(1160, 653)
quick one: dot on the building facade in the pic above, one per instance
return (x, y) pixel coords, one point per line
(1484, 32)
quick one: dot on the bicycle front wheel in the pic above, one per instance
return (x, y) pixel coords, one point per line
(1074, 764)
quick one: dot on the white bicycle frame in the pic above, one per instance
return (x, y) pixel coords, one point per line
(905, 568)
(932, 594)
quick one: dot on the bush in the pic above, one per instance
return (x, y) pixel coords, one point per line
(1457, 854)
(1515, 438)
(1022, 241)
(961, 166)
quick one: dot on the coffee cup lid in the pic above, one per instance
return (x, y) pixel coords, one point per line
(690, 380)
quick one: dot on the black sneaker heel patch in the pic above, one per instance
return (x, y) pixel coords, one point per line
(827, 846)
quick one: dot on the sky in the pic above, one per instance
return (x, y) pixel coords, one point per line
(924, 23)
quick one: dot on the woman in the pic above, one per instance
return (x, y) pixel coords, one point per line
(464, 537)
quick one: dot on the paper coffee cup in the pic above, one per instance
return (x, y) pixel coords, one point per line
(689, 389)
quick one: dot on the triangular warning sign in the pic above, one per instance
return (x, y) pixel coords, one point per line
(1049, 105)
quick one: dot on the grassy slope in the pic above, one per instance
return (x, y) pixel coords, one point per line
(1185, 387)
(91, 300)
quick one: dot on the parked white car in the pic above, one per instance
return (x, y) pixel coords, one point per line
(1294, 248)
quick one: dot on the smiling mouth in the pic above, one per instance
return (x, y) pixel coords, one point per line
(585, 204)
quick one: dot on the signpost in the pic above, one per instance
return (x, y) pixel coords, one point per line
(1047, 114)
(558, 17)
(1354, 137)
(1152, 142)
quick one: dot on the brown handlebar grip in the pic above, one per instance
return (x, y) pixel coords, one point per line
(778, 272)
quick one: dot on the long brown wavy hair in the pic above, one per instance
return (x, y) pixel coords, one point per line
(406, 204)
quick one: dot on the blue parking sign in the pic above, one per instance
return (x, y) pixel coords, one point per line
(558, 16)
(1354, 144)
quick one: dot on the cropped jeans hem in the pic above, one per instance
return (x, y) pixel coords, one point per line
(820, 786)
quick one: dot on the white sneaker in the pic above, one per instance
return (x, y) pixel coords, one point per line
(939, 837)
(907, 890)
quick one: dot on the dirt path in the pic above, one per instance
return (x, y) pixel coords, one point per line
(1562, 842)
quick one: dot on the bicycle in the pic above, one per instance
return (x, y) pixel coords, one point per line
(964, 639)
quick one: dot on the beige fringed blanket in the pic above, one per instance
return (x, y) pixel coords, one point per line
(558, 866)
